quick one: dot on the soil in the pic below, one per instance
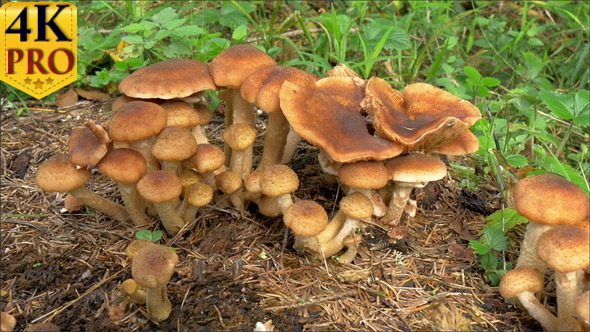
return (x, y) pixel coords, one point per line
(237, 269)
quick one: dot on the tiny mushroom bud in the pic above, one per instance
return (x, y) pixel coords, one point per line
(239, 137)
(85, 147)
(162, 188)
(197, 195)
(135, 292)
(152, 268)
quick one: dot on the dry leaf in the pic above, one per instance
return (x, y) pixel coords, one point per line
(66, 98)
(92, 94)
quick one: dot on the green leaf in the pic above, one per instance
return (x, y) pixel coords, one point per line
(472, 73)
(149, 235)
(240, 32)
(173, 24)
(132, 39)
(189, 30)
(490, 81)
(164, 16)
(495, 238)
(489, 261)
(505, 219)
(479, 247)
(517, 160)
(535, 42)
(558, 104)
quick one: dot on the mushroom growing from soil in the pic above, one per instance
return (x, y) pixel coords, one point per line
(565, 250)
(152, 268)
(306, 219)
(206, 160)
(546, 200)
(57, 174)
(365, 177)
(87, 145)
(197, 196)
(230, 183)
(522, 284)
(135, 293)
(126, 167)
(279, 181)
(162, 188)
(239, 137)
(191, 116)
(172, 145)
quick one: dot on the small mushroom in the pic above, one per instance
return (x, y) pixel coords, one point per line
(239, 137)
(57, 174)
(230, 183)
(279, 181)
(186, 115)
(197, 196)
(87, 145)
(162, 188)
(152, 268)
(306, 219)
(172, 145)
(206, 161)
(135, 293)
(7, 322)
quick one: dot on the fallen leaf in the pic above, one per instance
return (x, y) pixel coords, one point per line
(463, 231)
(461, 252)
(92, 94)
(66, 98)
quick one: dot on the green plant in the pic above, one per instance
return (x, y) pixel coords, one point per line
(153, 236)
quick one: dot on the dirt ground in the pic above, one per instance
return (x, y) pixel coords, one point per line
(236, 270)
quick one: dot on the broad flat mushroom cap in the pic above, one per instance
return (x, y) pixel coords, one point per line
(159, 186)
(233, 65)
(363, 175)
(137, 120)
(168, 79)
(523, 279)
(305, 218)
(123, 165)
(550, 199)
(327, 115)
(416, 167)
(153, 266)
(58, 174)
(422, 117)
(564, 248)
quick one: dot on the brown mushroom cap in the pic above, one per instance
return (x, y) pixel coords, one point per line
(523, 279)
(123, 165)
(564, 248)
(85, 147)
(7, 321)
(550, 199)
(168, 79)
(278, 180)
(357, 205)
(207, 158)
(327, 115)
(233, 65)
(263, 86)
(159, 186)
(175, 144)
(137, 120)
(180, 114)
(153, 266)
(57, 174)
(422, 117)
(252, 182)
(239, 136)
(463, 144)
(228, 181)
(306, 218)
(415, 167)
(136, 245)
(363, 175)
(199, 194)
(188, 177)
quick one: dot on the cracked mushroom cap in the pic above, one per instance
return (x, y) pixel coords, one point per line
(207, 158)
(58, 174)
(550, 199)
(357, 205)
(305, 218)
(123, 165)
(87, 146)
(416, 167)
(422, 117)
(363, 175)
(137, 120)
(327, 115)
(278, 180)
(159, 186)
(168, 79)
(263, 86)
(175, 144)
(239, 136)
(522, 279)
(233, 65)
(564, 248)
(153, 266)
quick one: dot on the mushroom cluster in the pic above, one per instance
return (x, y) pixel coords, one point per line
(377, 142)
(556, 239)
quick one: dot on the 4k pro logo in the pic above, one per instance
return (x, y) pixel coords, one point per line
(38, 45)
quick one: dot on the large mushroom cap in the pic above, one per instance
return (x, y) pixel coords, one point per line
(564, 248)
(278, 180)
(306, 218)
(137, 120)
(550, 199)
(168, 79)
(523, 279)
(153, 266)
(327, 115)
(422, 117)
(415, 167)
(57, 174)
(123, 165)
(233, 65)
(159, 186)
(363, 175)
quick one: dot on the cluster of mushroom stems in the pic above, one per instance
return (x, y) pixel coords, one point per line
(557, 238)
(377, 142)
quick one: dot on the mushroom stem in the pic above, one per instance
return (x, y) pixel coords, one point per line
(351, 244)
(397, 204)
(158, 305)
(200, 135)
(306, 243)
(134, 203)
(275, 139)
(243, 112)
(171, 220)
(336, 243)
(100, 203)
(538, 310)
(170, 165)
(569, 287)
(291, 144)
(144, 147)
(284, 201)
(190, 212)
(528, 249)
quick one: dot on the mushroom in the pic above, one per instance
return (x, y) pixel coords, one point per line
(197, 196)
(409, 172)
(7, 322)
(279, 181)
(137, 122)
(306, 219)
(188, 177)
(205, 161)
(546, 200)
(136, 245)
(186, 115)
(262, 89)
(365, 177)
(422, 117)
(230, 183)
(133, 291)
(152, 268)
(57, 174)
(565, 250)
(239, 137)
(87, 145)
(172, 145)
(126, 167)
(522, 284)
(465, 143)
(583, 310)
(162, 188)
